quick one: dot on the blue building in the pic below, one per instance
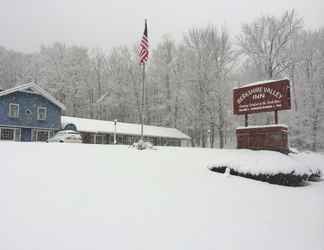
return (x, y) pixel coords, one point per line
(29, 113)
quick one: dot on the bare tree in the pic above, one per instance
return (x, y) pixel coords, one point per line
(210, 57)
(266, 42)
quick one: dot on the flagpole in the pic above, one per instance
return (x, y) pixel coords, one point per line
(142, 113)
(143, 57)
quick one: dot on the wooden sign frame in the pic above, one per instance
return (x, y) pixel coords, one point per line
(262, 97)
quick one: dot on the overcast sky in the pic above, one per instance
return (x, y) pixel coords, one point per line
(25, 25)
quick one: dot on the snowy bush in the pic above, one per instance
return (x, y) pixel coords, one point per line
(272, 167)
(141, 145)
(313, 161)
(287, 179)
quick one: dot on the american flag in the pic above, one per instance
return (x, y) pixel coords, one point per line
(144, 45)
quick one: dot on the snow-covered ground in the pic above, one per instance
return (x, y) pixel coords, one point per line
(98, 197)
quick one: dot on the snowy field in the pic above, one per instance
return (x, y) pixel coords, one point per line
(99, 197)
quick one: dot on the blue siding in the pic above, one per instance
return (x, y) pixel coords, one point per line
(31, 102)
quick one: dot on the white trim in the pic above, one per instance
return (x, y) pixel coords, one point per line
(9, 109)
(38, 90)
(38, 113)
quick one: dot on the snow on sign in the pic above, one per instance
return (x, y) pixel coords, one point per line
(262, 97)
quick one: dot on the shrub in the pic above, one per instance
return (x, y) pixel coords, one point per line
(316, 175)
(290, 179)
(141, 145)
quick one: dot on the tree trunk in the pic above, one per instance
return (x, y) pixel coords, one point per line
(221, 137)
(168, 100)
(212, 135)
(203, 139)
(293, 87)
(315, 122)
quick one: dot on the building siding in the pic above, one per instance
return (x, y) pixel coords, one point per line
(29, 101)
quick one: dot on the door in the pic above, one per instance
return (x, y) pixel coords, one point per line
(26, 134)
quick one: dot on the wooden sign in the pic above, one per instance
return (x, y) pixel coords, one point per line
(262, 97)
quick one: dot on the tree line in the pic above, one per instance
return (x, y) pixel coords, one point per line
(188, 83)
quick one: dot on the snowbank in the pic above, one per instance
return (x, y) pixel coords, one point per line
(313, 161)
(86, 197)
(260, 162)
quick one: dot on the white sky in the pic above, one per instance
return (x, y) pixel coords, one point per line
(25, 25)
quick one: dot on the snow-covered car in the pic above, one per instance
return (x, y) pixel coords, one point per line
(66, 136)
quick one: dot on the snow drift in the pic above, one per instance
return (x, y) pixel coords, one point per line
(85, 197)
(269, 166)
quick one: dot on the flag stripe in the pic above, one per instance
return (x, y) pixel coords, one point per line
(144, 43)
(144, 46)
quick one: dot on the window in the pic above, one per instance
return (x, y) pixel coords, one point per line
(87, 138)
(41, 113)
(7, 134)
(42, 135)
(100, 139)
(13, 110)
(70, 126)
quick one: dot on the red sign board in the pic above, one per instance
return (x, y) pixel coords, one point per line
(262, 97)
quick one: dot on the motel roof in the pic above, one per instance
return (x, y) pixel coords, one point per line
(100, 126)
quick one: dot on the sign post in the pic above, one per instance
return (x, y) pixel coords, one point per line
(246, 120)
(276, 116)
(268, 96)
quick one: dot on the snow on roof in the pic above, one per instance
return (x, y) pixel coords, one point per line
(100, 126)
(260, 82)
(37, 89)
(264, 126)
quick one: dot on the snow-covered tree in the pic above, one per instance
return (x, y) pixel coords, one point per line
(188, 84)
(309, 121)
(166, 68)
(65, 73)
(209, 57)
(266, 41)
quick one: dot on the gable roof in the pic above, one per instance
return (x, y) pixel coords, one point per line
(100, 126)
(37, 90)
